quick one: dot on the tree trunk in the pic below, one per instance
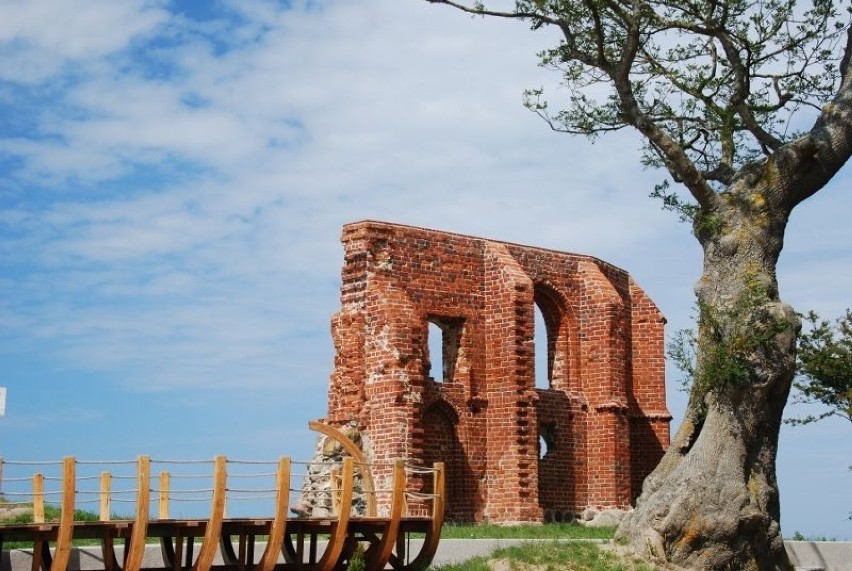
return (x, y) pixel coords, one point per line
(712, 503)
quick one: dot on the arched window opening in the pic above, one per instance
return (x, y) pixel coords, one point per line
(444, 341)
(436, 351)
(542, 447)
(542, 351)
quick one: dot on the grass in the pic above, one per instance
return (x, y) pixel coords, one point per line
(547, 556)
(52, 513)
(546, 531)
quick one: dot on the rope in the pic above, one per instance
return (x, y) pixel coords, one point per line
(266, 497)
(196, 491)
(182, 461)
(259, 475)
(189, 499)
(23, 479)
(258, 490)
(189, 476)
(105, 462)
(415, 470)
(84, 478)
(420, 496)
(32, 463)
(253, 462)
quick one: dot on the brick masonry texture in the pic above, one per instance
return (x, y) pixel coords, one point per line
(513, 452)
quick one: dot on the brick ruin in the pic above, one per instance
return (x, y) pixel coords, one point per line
(514, 452)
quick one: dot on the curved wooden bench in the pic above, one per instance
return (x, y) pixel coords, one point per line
(337, 531)
(247, 530)
(382, 537)
(431, 526)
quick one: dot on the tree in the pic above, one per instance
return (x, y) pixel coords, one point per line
(825, 368)
(719, 91)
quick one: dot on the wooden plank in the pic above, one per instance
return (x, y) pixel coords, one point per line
(337, 539)
(213, 533)
(38, 553)
(279, 524)
(135, 551)
(381, 553)
(66, 515)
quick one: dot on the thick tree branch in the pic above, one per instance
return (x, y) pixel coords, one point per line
(677, 161)
(814, 159)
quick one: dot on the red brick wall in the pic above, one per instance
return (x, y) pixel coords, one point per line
(604, 412)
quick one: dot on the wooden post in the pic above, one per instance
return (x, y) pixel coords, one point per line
(213, 532)
(438, 505)
(334, 490)
(105, 496)
(165, 482)
(66, 516)
(136, 549)
(38, 497)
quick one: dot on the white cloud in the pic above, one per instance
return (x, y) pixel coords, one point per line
(258, 153)
(40, 38)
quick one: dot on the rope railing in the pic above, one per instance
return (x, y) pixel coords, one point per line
(70, 483)
(174, 493)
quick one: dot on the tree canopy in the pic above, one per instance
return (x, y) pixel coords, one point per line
(825, 366)
(747, 104)
(711, 85)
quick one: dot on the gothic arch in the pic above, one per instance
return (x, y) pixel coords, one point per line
(562, 340)
(440, 424)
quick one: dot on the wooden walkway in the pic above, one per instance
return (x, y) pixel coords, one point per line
(393, 515)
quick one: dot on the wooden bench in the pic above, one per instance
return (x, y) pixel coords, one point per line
(300, 543)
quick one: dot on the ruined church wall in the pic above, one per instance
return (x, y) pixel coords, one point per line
(604, 412)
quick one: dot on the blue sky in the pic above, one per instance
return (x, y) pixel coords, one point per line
(175, 176)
